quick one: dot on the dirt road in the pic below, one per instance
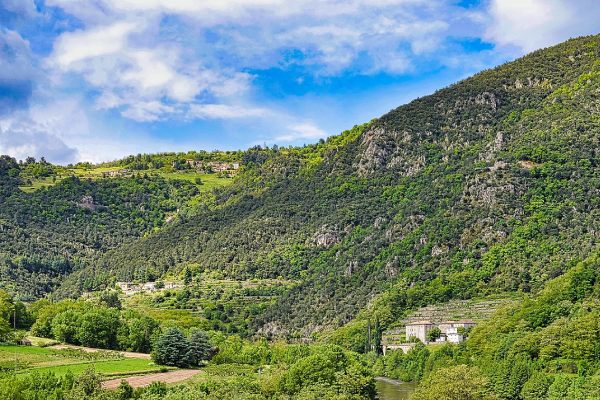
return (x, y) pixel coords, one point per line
(126, 354)
(145, 380)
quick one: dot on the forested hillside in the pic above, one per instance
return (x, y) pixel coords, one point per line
(545, 347)
(488, 186)
(53, 231)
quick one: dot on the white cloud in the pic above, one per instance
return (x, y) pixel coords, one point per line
(25, 8)
(81, 45)
(17, 73)
(65, 130)
(332, 34)
(532, 24)
(25, 134)
(224, 111)
(156, 60)
(25, 143)
(159, 59)
(145, 83)
(147, 111)
(301, 131)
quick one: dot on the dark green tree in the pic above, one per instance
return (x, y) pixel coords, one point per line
(187, 276)
(200, 347)
(172, 348)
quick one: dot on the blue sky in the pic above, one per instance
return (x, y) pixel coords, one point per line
(95, 80)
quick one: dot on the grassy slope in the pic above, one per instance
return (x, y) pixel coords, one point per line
(209, 181)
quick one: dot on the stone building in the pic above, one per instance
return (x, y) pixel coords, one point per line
(419, 330)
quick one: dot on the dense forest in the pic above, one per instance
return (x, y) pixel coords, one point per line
(487, 187)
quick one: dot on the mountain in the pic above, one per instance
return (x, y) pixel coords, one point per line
(489, 186)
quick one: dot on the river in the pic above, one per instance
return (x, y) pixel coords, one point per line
(389, 389)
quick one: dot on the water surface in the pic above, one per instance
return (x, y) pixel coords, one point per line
(389, 389)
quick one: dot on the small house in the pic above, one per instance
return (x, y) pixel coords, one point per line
(124, 286)
(149, 286)
(453, 336)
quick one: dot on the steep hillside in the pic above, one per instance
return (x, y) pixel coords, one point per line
(52, 231)
(490, 185)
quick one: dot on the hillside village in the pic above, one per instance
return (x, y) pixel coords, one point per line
(442, 323)
(130, 288)
(427, 332)
(209, 167)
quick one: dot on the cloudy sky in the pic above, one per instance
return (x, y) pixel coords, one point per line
(98, 79)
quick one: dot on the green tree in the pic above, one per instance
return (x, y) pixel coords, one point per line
(65, 326)
(124, 391)
(200, 347)
(7, 306)
(559, 389)
(88, 382)
(187, 276)
(308, 371)
(5, 331)
(7, 310)
(433, 334)
(99, 328)
(110, 298)
(172, 348)
(460, 382)
(536, 387)
(136, 333)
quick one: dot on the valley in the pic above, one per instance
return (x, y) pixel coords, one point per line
(283, 272)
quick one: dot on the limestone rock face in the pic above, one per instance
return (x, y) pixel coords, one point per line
(87, 202)
(379, 145)
(386, 149)
(352, 266)
(327, 236)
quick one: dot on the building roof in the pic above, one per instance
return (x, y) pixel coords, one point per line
(462, 321)
(419, 323)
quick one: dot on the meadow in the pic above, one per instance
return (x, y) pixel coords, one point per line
(24, 360)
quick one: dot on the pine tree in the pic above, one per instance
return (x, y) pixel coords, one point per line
(200, 347)
(172, 348)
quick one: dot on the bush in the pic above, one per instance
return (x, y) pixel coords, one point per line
(454, 383)
(64, 326)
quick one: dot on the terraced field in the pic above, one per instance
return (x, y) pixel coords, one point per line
(476, 310)
(210, 303)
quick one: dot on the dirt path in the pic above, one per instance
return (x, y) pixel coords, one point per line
(126, 354)
(145, 380)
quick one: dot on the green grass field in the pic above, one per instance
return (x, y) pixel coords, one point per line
(126, 366)
(209, 181)
(27, 359)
